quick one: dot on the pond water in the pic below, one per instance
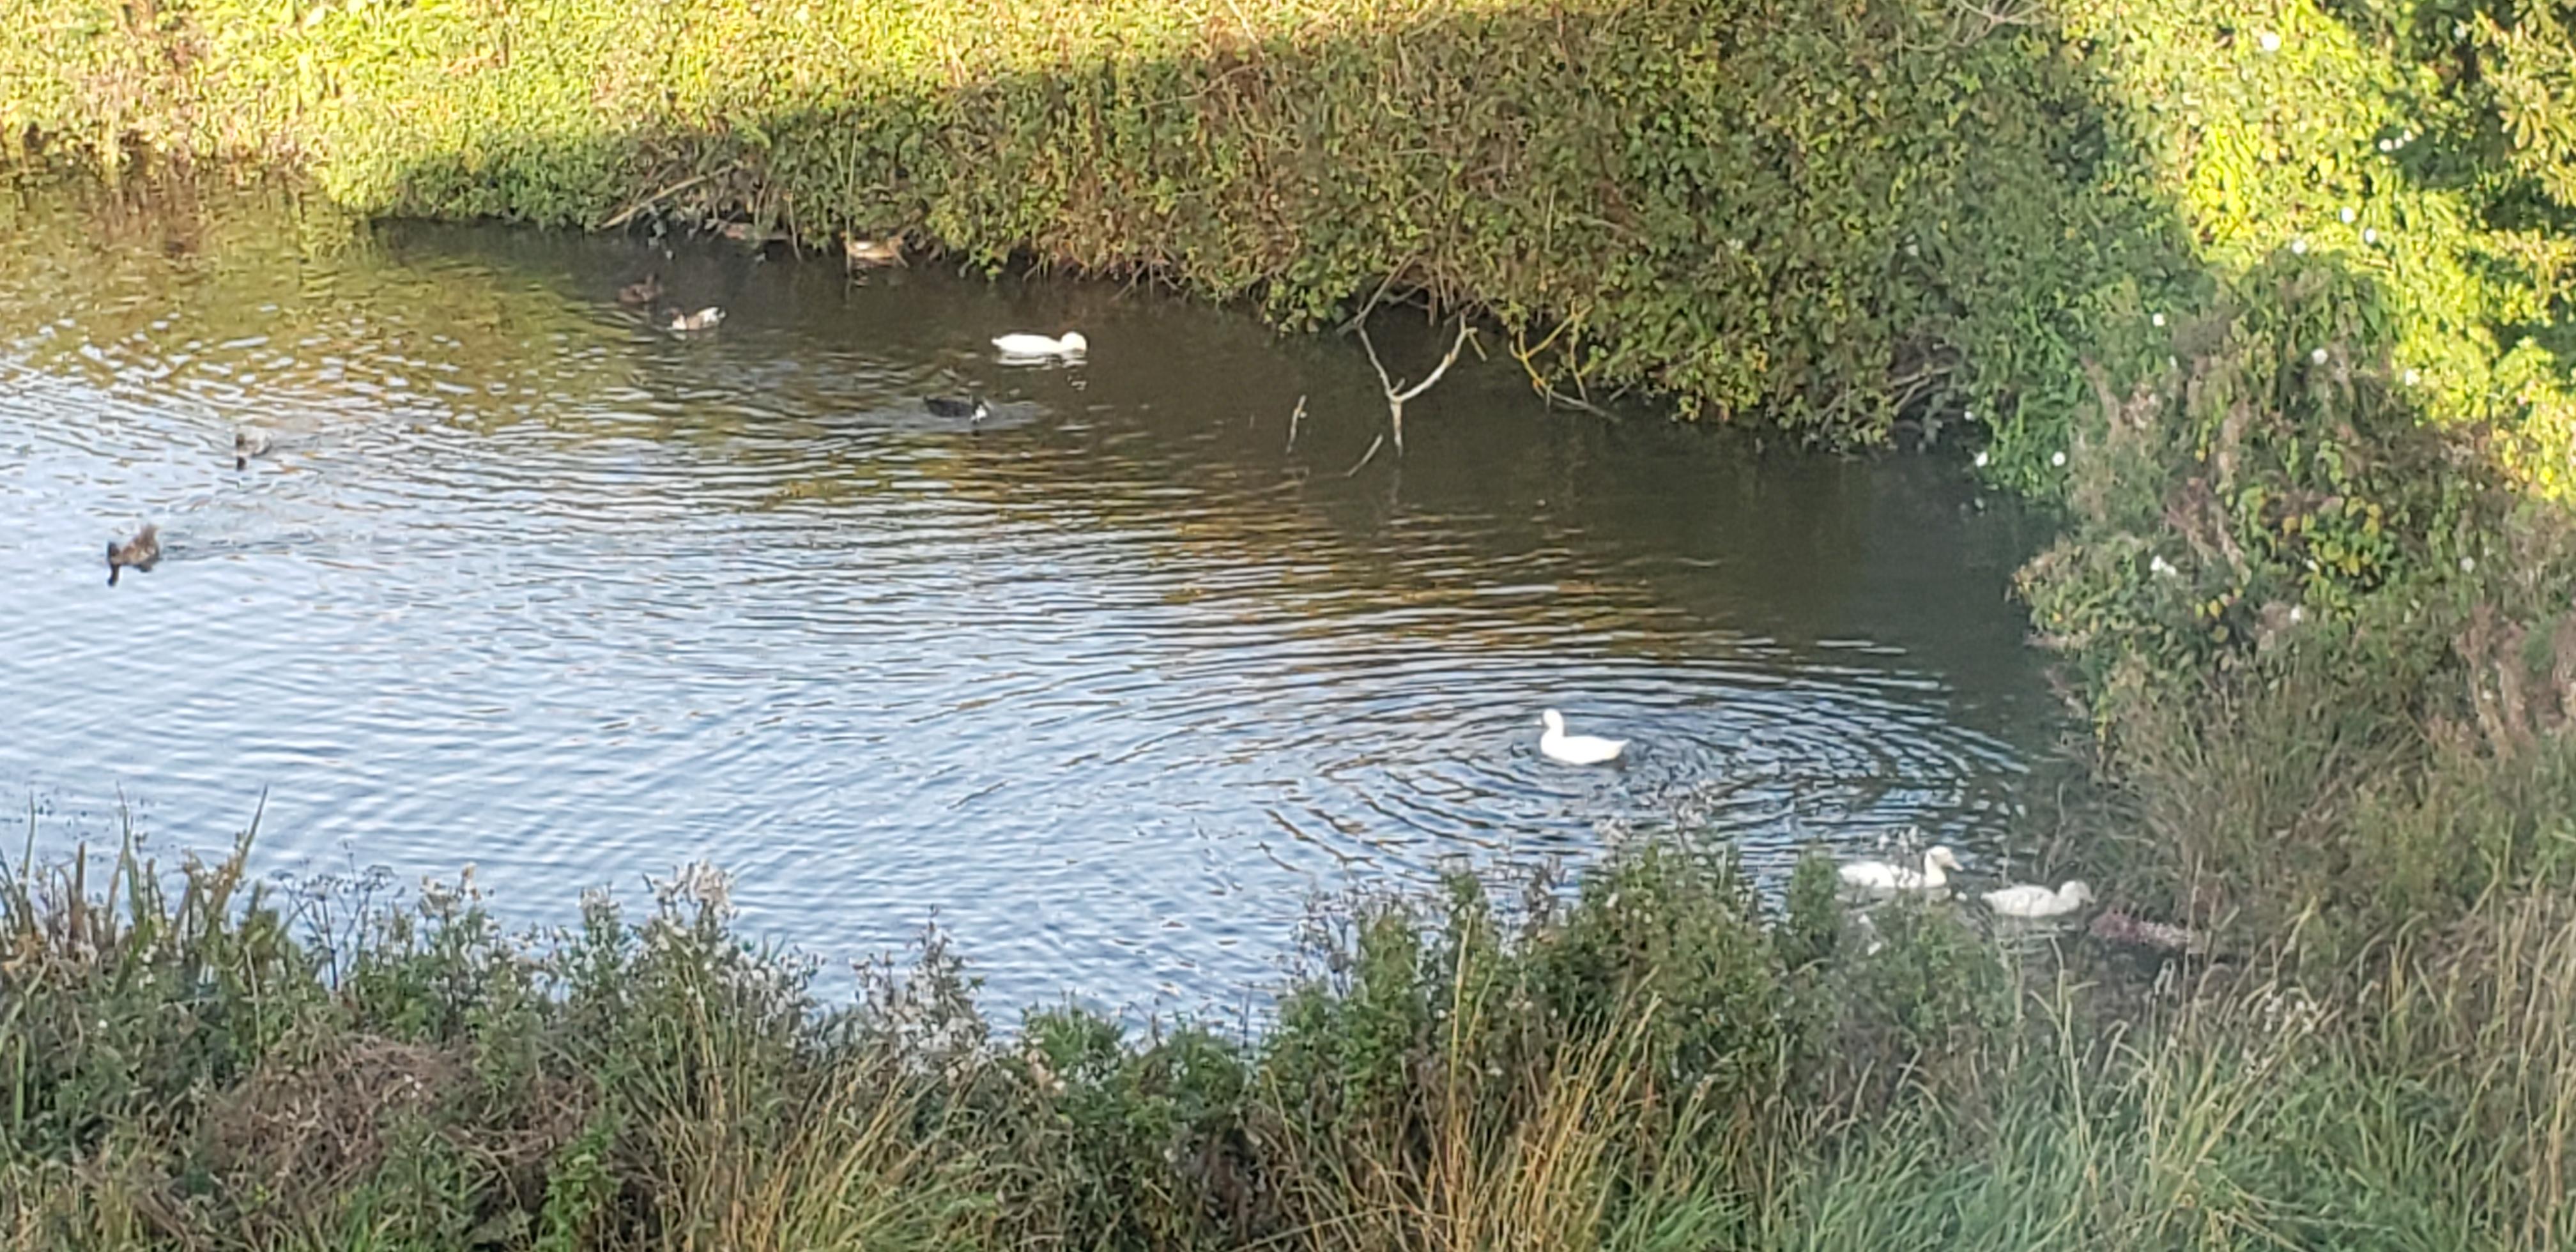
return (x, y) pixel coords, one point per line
(1110, 684)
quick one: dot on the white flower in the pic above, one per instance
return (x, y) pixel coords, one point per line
(2161, 567)
(2157, 320)
(2318, 356)
(1967, 415)
(2388, 145)
(1981, 460)
(2298, 614)
(2057, 458)
(2299, 247)
(1913, 250)
(2348, 214)
(2413, 376)
(2468, 565)
(2370, 234)
(2270, 41)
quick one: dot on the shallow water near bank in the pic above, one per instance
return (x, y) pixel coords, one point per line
(1109, 685)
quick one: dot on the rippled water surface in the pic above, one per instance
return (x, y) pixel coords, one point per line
(1110, 684)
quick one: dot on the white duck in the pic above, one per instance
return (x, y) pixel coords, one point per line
(1881, 878)
(1556, 745)
(1026, 345)
(703, 319)
(2028, 900)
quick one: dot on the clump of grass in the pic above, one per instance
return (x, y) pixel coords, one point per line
(187, 1067)
(1655, 1060)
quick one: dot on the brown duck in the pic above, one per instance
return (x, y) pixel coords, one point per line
(645, 290)
(872, 253)
(142, 552)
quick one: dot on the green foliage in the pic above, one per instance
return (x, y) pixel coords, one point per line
(1601, 1067)
(1823, 212)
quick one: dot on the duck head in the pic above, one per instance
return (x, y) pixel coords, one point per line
(2076, 892)
(1553, 720)
(1074, 342)
(1940, 855)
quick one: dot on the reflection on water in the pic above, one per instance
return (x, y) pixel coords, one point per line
(1108, 683)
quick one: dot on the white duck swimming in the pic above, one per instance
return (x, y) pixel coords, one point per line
(1026, 345)
(2028, 900)
(703, 319)
(1556, 745)
(1881, 878)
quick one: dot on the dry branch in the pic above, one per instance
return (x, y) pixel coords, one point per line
(1395, 398)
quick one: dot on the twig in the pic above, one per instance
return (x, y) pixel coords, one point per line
(1366, 457)
(1293, 416)
(1358, 320)
(659, 196)
(2026, 15)
(1538, 381)
(1395, 399)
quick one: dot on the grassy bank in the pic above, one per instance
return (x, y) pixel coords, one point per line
(1832, 213)
(1826, 212)
(1651, 1063)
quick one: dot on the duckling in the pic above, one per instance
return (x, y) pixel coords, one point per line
(248, 444)
(703, 319)
(872, 253)
(973, 410)
(643, 291)
(142, 552)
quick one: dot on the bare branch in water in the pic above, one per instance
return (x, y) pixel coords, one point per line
(1366, 457)
(1395, 399)
(1293, 418)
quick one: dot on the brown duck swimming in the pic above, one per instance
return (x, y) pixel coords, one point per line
(645, 290)
(871, 253)
(142, 552)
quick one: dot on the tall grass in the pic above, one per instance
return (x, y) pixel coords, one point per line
(1656, 1061)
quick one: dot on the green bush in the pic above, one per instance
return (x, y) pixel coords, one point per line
(1818, 211)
